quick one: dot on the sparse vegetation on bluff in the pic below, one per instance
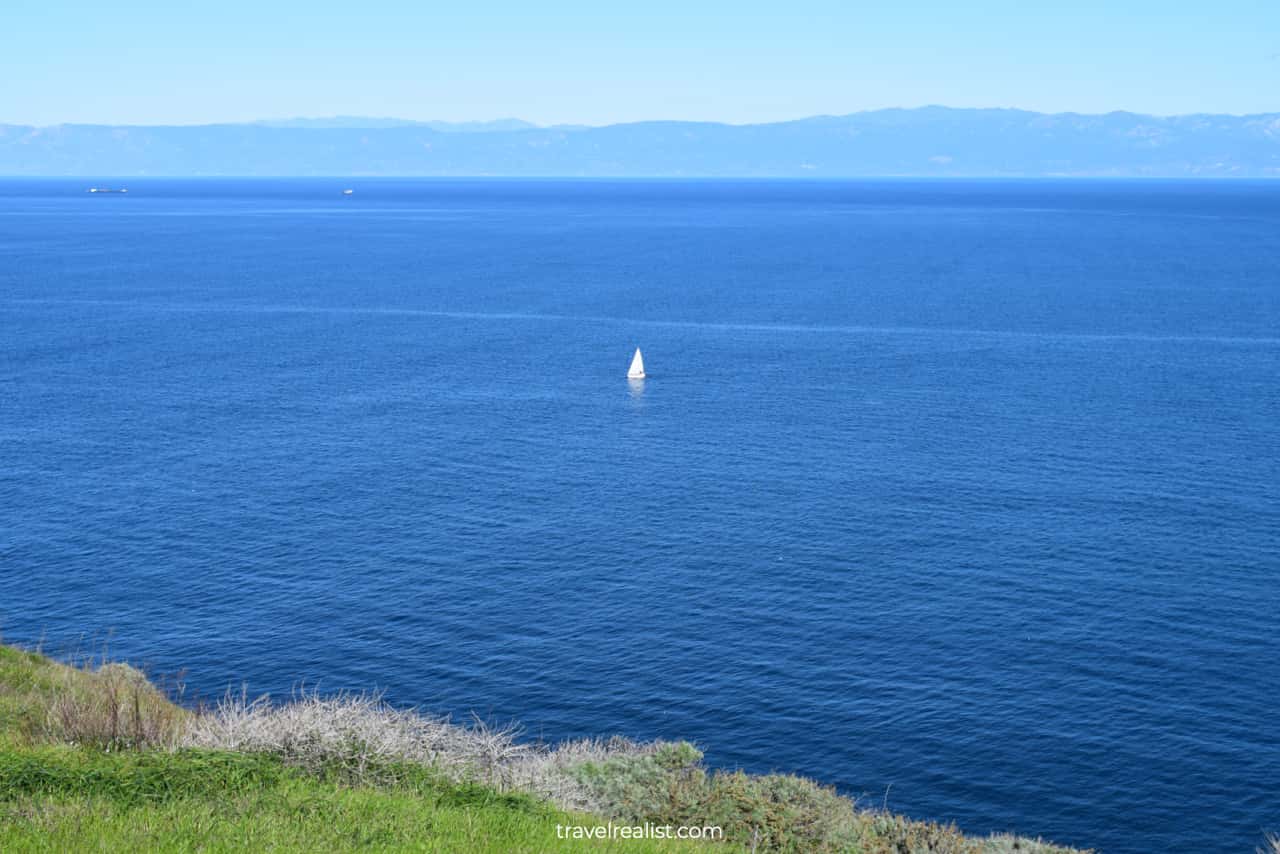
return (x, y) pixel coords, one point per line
(97, 758)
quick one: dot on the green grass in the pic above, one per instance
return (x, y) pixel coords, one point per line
(27, 685)
(78, 799)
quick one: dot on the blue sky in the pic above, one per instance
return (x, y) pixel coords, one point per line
(598, 62)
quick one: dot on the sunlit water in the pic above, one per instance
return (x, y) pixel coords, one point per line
(964, 492)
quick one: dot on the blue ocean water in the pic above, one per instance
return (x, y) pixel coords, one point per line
(962, 496)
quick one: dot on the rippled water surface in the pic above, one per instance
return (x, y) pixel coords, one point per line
(970, 490)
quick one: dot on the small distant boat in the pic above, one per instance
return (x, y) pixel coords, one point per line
(637, 367)
(107, 190)
(347, 192)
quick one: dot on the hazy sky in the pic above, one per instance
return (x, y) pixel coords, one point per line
(123, 62)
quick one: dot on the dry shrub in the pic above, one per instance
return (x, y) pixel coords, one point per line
(367, 740)
(112, 707)
(361, 736)
(771, 812)
(1005, 843)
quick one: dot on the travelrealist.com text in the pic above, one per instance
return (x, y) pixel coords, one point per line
(637, 831)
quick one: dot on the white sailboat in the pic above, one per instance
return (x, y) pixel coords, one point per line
(637, 367)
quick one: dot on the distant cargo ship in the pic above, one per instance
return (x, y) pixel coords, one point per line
(107, 190)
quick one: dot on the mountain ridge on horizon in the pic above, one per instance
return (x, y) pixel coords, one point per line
(513, 123)
(908, 142)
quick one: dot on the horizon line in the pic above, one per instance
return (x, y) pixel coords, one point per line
(536, 126)
(1067, 177)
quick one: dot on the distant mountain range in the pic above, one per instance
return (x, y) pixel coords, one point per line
(367, 122)
(929, 141)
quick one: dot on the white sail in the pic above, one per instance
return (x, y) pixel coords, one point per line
(637, 367)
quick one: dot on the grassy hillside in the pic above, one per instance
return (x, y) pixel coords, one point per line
(96, 758)
(84, 766)
(68, 799)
